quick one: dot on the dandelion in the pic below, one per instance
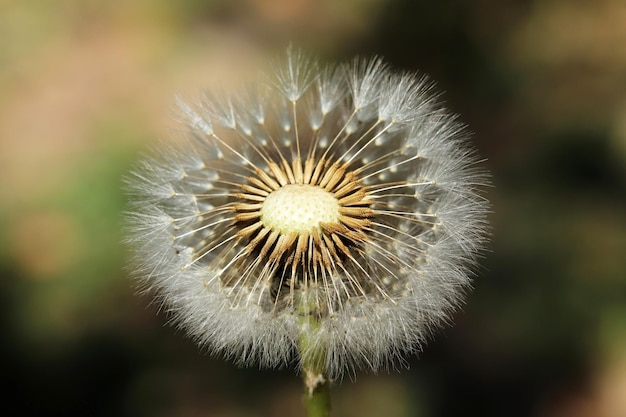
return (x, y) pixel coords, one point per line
(327, 216)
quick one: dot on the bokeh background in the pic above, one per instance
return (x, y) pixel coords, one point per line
(85, 86)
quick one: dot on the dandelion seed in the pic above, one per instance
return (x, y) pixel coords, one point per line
(328, 215)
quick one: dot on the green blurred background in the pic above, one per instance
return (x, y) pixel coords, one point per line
(85, 86)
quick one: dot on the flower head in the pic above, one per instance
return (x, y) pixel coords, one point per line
(338, 205)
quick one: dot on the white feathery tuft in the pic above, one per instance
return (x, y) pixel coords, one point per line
(295, 75)
(377, 279)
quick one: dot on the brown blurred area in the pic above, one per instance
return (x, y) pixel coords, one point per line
(86, 86)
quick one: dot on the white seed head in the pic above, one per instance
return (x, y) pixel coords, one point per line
(344, 194)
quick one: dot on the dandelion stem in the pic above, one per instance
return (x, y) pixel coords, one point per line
(317, 403)
(316, 383)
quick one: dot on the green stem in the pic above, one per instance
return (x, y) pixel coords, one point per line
(316, 383)
(317, 403)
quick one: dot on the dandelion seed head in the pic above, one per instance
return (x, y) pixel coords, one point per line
(342, 193)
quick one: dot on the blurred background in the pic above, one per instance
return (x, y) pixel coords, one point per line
(86, 86)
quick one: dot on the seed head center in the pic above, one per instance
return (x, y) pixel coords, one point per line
(299, 208)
